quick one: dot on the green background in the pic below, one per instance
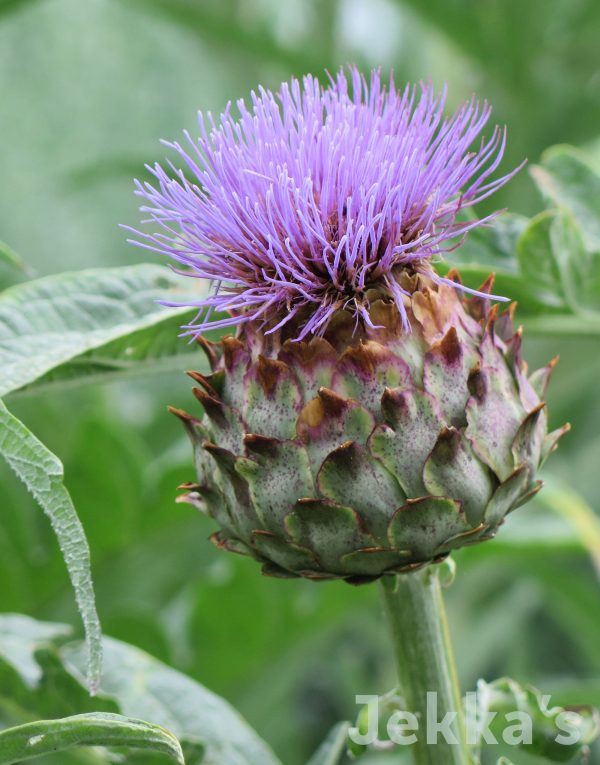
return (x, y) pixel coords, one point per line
(87, 88)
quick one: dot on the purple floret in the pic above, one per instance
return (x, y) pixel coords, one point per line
(311, 196)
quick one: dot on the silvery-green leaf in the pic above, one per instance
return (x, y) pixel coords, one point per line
(20, 637)
(144, 687)
(133, 684)
(42, 473)
(92, 324)
(36, 739)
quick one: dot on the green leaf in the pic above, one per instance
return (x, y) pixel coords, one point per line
(550, 726)
(579, 269)
(94, 323)
(150, 350)
(507, 283)
(491, 247)
(537, 261)
(556, 266)
(42, 472)
(557, 263)
(20, 638)
(568, 178)
(94, 729)
(133, 684)
(144, 687)
(332, 749)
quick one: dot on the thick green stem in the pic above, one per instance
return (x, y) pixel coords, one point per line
(426, 669)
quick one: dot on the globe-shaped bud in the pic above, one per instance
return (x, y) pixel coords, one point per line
(367, 417)
(368, 452)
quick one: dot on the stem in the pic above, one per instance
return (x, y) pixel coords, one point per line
(425, 662)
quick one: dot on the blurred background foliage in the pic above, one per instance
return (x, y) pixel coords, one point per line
(88, 88)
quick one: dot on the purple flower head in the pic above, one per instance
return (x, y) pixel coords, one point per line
(310, 197)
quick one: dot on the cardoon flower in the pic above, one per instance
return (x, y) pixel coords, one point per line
(368, 417)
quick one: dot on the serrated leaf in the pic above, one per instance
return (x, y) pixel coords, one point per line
(36, 739)
(332, 749)
(90, 324)
(42, 473)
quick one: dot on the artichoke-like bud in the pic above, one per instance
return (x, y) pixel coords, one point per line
(367, 418)
(362, 453)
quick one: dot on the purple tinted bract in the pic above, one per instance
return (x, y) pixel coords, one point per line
(312, 195)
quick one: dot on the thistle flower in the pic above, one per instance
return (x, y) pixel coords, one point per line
(368, 417)
(311, 196)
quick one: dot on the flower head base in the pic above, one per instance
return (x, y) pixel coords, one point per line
(313, 197)
(358, 455)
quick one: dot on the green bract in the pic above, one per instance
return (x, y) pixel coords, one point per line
(360, 454)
